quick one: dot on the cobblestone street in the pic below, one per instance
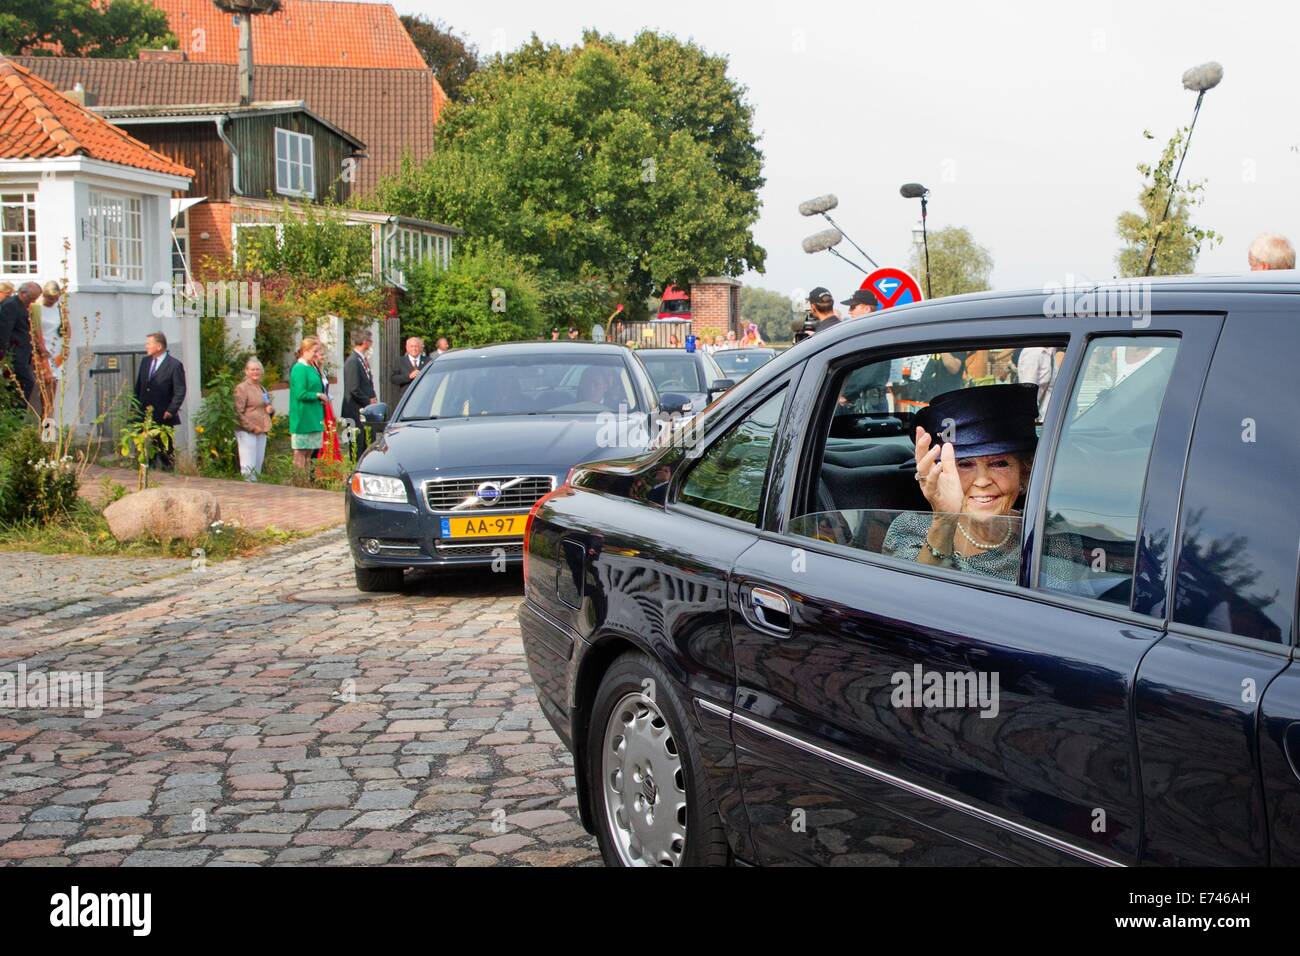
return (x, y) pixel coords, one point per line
(264, 711)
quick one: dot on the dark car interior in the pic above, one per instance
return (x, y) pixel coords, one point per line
(529, 385)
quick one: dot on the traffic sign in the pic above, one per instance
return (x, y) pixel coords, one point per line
(893, 287)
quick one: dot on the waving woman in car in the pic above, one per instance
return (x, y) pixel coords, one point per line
(974, 454)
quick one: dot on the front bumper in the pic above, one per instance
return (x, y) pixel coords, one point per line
(410, 537)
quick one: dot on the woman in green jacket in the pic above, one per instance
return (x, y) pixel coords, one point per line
(306, 402)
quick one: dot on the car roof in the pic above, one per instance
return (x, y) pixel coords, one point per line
(562, 347)
(1167, 293)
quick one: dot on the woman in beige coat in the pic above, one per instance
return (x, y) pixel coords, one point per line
(253, 407)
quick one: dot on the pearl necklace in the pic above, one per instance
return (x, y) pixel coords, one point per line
(985, 547)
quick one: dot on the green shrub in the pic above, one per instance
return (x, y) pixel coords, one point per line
(218, 353)
(34, 488)
(484, 297)
(215, 450)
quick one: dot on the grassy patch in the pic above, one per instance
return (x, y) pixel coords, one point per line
(84, 531)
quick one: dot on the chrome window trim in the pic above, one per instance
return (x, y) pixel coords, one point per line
(915, 789)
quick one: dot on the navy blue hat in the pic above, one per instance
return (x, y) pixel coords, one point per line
(988, 420)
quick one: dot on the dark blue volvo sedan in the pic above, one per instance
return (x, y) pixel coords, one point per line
(479, 437)
(1006, 578)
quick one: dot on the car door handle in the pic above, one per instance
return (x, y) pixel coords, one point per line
(770, 610)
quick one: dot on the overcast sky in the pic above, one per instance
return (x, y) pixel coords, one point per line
(1024, 119)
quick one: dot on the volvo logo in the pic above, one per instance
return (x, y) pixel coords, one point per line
(489, 493)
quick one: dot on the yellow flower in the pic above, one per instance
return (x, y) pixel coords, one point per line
(199, 429)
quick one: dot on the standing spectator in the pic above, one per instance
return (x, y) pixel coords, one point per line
(574, 333)
(752, 338)
(555, 334)
(47, 328)
(442, 347)
(358, 385)
(1270, 251)
(16, 338)
(253, 409)
(160, 390)
(729, 342)
(307, 400)
(861, 302)
(1037, 366)
(409, 366)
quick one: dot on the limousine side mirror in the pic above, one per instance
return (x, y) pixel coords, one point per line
(375, 416)
(673, 403)
(720, 386)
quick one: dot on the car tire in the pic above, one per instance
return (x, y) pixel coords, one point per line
(378, 579)
(644, 792)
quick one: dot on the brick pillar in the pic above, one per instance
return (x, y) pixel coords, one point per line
(715, 307)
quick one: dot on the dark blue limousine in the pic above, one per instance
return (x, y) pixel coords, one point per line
(1004, 578)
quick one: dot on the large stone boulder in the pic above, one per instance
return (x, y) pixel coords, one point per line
(162, 514)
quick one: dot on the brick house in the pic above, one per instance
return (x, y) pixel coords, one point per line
(351, 64)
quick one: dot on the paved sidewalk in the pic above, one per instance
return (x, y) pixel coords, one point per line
(256, 506)
(266, 712)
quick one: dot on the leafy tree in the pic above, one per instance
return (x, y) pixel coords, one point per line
(958, 264)
(1180, 240)
(773, 312)
(89, 28)
(452, 60)
(636, 162)
(484, 297)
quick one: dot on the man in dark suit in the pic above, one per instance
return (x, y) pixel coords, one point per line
(358, 384)
(160, 386)
(16, 337)
(409, 367)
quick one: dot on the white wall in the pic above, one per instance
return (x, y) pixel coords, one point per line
(105, 314)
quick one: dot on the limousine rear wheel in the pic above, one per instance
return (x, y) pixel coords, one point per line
(652, 806)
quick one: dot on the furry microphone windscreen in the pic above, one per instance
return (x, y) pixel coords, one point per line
(912, 191)
(1204, 77)
(815, 207)
(820, 242)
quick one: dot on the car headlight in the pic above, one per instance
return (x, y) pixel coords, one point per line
(379, 488)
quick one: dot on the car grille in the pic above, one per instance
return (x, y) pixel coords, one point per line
(460, 494)
(504, 549)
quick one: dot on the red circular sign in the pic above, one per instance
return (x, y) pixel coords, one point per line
(893, 287)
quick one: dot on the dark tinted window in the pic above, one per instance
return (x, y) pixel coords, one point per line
(1095, 489)
(1241, 502)
(729, 476)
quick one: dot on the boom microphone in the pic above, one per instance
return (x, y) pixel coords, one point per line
(820, 242)
(1204, 77)
(818, 206)
(913, 191)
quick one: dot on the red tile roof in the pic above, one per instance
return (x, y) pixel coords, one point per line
(39, 122)
(388, 110)
(302, 33)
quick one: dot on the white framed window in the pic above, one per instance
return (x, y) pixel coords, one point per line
(181, 246)
(295, 167)
(18, 233)
(116, 237)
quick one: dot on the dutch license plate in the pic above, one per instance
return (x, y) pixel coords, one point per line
(497, 526)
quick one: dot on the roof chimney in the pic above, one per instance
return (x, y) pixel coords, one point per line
(164, 55)
(245, 59)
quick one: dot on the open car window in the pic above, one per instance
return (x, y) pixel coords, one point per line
(862, 491)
